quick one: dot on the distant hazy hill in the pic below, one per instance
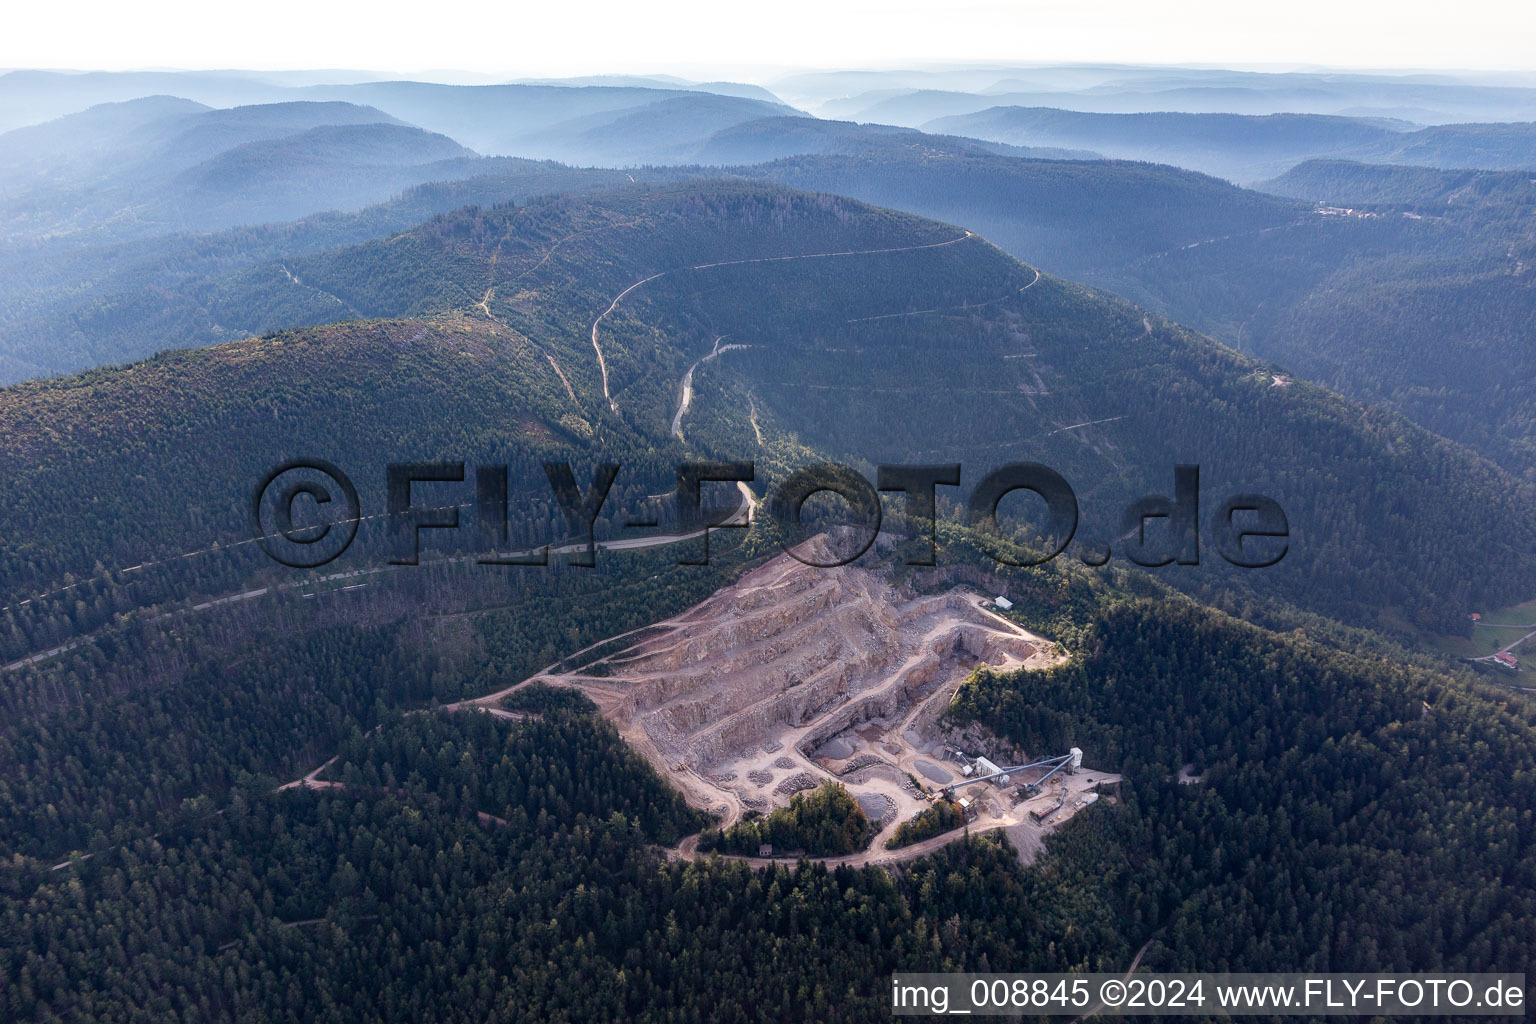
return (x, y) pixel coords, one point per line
(30, 97)
(1239, 147)
(164, 131)
(669, 130)
(1245, 148)
(775, 137)
(64, 145)
(1075, 218)
(671, 82)
(332, 167)
(583, 125)
(158, 165)
(68, 307)
(909, 97)
(589, 124)
(871, 336)
(1490, 146)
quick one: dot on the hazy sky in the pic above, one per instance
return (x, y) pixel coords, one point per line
(710, 38)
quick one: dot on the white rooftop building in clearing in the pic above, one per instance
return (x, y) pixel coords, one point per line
(1003, 603)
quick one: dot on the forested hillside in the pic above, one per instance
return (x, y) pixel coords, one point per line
(1348, 813)
(364, 904)
(460, 865)
(1428, 189)
(867, 335)
(1411, 288)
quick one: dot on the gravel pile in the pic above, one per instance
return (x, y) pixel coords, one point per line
(878, 807)
(785, 762)
(864, 760)
(933, 771)
(836, 748)
(796, 783)
(760, 776)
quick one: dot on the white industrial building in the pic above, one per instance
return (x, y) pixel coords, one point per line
(984, 767)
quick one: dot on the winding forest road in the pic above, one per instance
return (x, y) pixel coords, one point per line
(686, 398)
(602, 362)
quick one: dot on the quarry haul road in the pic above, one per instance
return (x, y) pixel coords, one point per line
(602, 362)
(875, 856)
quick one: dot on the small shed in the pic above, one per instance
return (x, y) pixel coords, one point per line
(765, 849)
(1003, 603)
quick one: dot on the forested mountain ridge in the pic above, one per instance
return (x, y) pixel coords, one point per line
(865, 335)
(773, 138)
(1425, 189)
(71, 307)
(1411, 289)
(1248, 148)
(1074, 218)
(911, 97)
(1294, 746)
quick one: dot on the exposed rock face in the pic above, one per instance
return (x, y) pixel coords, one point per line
(977, 739)
(837, 666)
(792, 645)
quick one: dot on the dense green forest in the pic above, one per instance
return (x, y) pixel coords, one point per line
(932, 821)
(826, 822)
(1350, 812)
(1349, 815)
(539, 698)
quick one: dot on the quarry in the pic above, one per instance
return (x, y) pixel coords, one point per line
(798, 674)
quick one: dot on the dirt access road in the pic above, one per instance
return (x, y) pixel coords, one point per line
(602, 362)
